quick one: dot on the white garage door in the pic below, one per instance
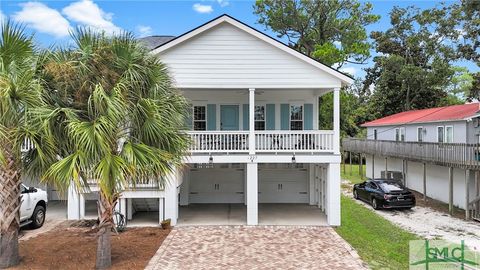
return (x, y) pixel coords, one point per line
(216, 185)
(283, 185)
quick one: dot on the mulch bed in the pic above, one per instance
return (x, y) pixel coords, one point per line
(74, 247)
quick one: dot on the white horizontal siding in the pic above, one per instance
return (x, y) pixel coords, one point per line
(228, 57)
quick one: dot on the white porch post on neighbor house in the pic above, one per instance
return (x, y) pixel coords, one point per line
(251, 121)
(333, 194)
(171, 197)
(252, 191)
(336, 121)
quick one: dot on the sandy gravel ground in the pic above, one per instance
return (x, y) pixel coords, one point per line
(429, 223)
(56, 215)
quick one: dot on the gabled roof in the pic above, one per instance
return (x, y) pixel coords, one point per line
(228, 19)
(448, 113)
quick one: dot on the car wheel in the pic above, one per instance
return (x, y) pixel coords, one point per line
(355, 194)
(375, 204)
(38, 217)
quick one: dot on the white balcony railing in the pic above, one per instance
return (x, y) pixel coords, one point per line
(294, 141)
(218, 141)
(274, 141)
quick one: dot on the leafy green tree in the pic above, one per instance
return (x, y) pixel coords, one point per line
(462, 26)
(414, 64)
(460, 83)
(354, 110)
(332, 31)
(115, 118)
(20, 92)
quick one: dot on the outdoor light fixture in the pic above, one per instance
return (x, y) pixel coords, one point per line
(210, 160)
(293, 159)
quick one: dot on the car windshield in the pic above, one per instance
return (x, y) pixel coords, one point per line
(391, 186)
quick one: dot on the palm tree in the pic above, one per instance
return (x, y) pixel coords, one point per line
(115, 119)
(20, 93)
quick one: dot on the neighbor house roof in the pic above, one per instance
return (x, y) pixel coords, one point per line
(262, 36)
(448, 113)
(152, 42)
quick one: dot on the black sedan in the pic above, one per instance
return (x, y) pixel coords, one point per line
(381, 193)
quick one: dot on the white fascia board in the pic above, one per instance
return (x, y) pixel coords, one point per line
(281, 158)
(345, 79)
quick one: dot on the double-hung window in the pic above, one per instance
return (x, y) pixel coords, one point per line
(441, 134)
(449, 134)
(260, 117)
(296, 117)
(420, 134)
(199, 118)
(445, 134)
(400, 134)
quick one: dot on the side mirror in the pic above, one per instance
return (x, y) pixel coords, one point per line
(32, 190)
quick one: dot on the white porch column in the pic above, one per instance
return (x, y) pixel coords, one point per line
(311, 179)
(251, 121)
(185, 187)
(74, 208)
(333, 194)
(336, 120)
(161, 212)
(252, 193)
(171, 197)
(129, 209)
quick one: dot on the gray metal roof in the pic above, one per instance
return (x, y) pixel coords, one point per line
(153, 42)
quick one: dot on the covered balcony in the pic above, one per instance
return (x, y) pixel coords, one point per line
(278, 123)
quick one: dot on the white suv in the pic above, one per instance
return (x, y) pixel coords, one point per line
(34, 206)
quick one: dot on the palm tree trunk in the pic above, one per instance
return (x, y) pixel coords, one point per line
(9, 212)
(104, 246)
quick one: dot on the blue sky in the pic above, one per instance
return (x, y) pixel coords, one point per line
(51, 20)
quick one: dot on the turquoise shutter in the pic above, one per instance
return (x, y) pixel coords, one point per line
(270, 120)
(245, 117)
(308, 117)
(284, 116)
(188, 118)
(211, 117)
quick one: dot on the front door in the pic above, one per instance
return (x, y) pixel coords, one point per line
(229, 117)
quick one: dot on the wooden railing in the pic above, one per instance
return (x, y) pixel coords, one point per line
(294, 141)
(460, 155)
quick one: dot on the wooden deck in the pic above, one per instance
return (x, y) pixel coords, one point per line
(456, 155)
(452, 155)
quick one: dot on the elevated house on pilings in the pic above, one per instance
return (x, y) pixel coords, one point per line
(433, 151)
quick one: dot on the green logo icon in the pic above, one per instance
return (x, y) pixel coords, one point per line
(440, 254)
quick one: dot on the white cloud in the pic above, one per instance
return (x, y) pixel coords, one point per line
(223, 3)
(202, 8)
(144, 30)
(43, 19)
(350, 70)
(87, 13)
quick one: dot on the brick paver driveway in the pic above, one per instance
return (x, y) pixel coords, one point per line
(259, 247)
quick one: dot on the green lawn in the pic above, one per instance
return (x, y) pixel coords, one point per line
(352, 173)
(380, 243)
